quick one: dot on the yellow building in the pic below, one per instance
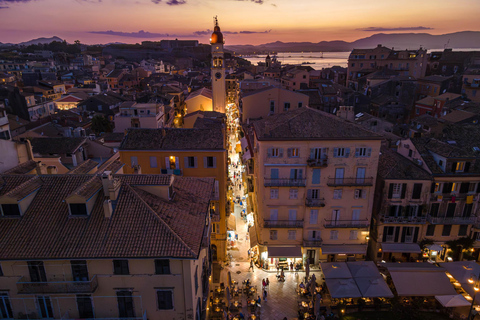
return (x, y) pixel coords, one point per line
(104, 246)
(313, 186)
(184, 152)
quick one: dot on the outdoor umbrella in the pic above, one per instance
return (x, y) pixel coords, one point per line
(317, 305)
(435, 247)
(228, 296)
(454, 300)
(307, 271)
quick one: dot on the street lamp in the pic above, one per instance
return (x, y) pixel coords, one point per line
(476, 287)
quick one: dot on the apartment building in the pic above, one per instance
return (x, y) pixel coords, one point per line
(471, 84)
(138, 115)
(406, 62)
(184, 152)
(104, 246)
(269, 101)
(402, 197)
(313, 186)
(453, 198)
(295, 78)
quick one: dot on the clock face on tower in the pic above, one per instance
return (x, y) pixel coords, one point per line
(218, 75)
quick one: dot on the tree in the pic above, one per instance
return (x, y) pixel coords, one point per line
(101, 124)
(77, 42)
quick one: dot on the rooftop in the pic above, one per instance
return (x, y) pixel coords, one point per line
(393, 165)
(173, 139)
(56, 145)
(310, 124)
(142, 224)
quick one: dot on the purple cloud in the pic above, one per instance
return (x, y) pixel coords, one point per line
(208, 32)
(377, 29)
(171, 2)
(139, 34)
(254, 1)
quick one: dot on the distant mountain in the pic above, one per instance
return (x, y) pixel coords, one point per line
(458, 40)
(34, 41)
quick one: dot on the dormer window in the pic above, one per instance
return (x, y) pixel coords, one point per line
(10, 210)
(78, 209)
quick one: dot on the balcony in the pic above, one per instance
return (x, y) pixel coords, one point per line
(48, 287)
(177, 172)
(350, 182)
(312, 243)
(283, 223)
(451, 220)
(314, 202)
(317, 162)
(275, 182)
(412, 220)
(346, 223)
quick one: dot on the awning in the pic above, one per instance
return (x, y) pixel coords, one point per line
(252, 232)
(244, 143)
(335, 270)
(401, 247)
(363, 269)
(342, 288)
(344, 249)
(422, 283)
(374, 287)
(462, 271)
(284, 252)
(231, 222)
(450, 301)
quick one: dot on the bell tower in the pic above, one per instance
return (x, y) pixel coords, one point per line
(218, 70)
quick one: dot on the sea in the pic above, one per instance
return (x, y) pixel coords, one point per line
(316, 60)
(319, 60)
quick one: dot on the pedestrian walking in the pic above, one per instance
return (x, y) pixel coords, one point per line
(248, 249)
(267, 282)
(291, 266)
(264, 295)
(278, 267)
(263, 284)
(251, 265)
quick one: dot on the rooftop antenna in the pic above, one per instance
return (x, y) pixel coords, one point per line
(446, 44)
(215, 20)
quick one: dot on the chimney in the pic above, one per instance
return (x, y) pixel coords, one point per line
(52, 170)
(107, 208)
(111, 186)
(137, 169)
(379, 45)
(347, 113)
(41, 168)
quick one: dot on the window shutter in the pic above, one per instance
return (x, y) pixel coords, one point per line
(464, 187)
(335, 152)
(300, 174)
(415, 235)
(269, 152)
(369, 152)
(214, 162)
(403, 234)
(177, 163)
(397, 233)
(454, 167)
(309, 194)
(312, 153)
(289, 152)
(357, 193)
(384, 238)
(205, 162)
(390, 191)
(357, 152)
(195, 162)
(417, 191)
(347, 152)
(292, 173)
(364, 193)
(467, 167)
(185, 162)
(280, 152)
(324, 153)
(316, 176)
(404, 190)
(167, 163)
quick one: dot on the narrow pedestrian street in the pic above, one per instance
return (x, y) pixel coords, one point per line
(282, 297)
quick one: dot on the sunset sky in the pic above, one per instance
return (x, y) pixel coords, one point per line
(243, 22)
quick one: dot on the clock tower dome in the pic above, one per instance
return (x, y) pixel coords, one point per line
(218, 70)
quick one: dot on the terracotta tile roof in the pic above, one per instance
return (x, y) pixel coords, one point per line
(56, 145)
(69, 99)
(173, 139)
(201, 92)
(310, 124)
(89, 188)
(142, 224)
(22, 168)
(24, 189)
(393, 165)
(84, 168)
